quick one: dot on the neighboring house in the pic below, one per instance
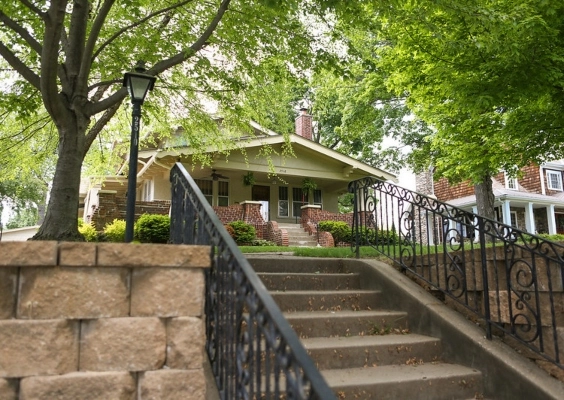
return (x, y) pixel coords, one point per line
(278, 198)
(18, 234)
(533, 202)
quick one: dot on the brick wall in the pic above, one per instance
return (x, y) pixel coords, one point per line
(101, 321)
(275, 234)
(315, 215)
(111, 206)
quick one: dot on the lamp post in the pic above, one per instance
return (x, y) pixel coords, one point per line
(138, 84)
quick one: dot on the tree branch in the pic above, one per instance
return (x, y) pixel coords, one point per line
(19, 66)
(33, 8)
(137, 23)
(87, 58)
(53, 28)
(21, 31)
(99, 125)
(196, 46)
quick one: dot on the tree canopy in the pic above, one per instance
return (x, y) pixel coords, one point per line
(65, 61)
(488, 76)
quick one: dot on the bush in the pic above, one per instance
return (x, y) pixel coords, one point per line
(115, 231)
(369, 236)
(88, 231)
(557, 237)
(242, 233)
(153, 228)
(340, 231)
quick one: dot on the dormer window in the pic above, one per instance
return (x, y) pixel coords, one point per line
(510, 183)
(554, 179)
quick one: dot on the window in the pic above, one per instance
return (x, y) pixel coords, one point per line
(206, 187)
(222, 193)
(554, 179)
(299, 198)
(283, 201)
(514, 219)
(317, 198)
(510, 183)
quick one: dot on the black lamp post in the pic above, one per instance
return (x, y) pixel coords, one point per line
(138, 84)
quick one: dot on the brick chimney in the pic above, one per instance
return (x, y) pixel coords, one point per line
(303, 124)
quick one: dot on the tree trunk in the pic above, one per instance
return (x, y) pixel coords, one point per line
(61, 218)
(485, 197)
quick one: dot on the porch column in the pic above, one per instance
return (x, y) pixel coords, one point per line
(475, 222)
(530, 218)
(551, 218)
(430, 225)
(506, 210)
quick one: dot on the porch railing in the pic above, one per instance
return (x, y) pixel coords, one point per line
(253, 351)
(507, 279)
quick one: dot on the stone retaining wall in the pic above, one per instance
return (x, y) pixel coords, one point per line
(101, 321)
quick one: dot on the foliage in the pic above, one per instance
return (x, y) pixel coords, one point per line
(249, 179)
(115, 231)
(243, 233)
(554, 238)
(487, 76)
(62, 65)
(340, 231)
(153, 228)
(369, 236)
(345, 203)
(23, 217)
(308, 185)
(88, 231)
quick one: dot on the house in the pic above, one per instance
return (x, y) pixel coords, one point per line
(533, 202)
(242, 185)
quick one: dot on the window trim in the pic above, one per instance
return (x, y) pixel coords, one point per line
(509, 180)
(558, 174)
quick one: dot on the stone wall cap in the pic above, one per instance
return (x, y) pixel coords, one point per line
(310, 206)
(31, 253)
(153, 255)
(250, 202)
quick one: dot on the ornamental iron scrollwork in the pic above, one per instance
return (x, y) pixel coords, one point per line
(253, 351)
(510, 279)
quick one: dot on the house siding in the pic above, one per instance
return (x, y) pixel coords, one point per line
(445, 192)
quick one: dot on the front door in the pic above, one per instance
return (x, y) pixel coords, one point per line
(262, 194)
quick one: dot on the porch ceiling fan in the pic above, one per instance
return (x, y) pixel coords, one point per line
(215, 176)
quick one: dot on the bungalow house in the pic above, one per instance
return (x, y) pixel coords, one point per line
(242, 186)
(532, 202)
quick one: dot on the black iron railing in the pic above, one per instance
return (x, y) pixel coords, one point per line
(506, 278)
(253, 351)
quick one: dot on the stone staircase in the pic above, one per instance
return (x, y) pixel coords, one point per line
(297, 236)
(363, 348)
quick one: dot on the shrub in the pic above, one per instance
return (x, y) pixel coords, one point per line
(340, 231)
(115, 231)
(557, 237)
(153, 228)
(242, 233)
(88, 231)
(369, 236)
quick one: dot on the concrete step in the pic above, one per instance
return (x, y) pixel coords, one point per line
(286, 281)
(423, 382)
(307, 300)
(345, 323)
(373, 351)
(265, 263)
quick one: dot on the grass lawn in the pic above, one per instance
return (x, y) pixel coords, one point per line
(328, 252)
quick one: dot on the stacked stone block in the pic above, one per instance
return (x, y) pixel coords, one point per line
(101, 321)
